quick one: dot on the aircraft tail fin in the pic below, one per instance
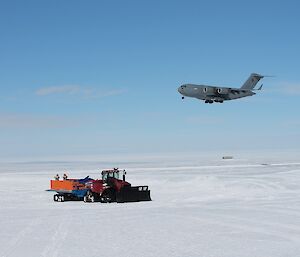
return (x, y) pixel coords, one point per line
(252, 81)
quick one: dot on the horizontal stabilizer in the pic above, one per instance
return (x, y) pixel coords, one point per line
(260, 87)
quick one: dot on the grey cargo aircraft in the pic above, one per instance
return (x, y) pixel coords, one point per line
(216, 94)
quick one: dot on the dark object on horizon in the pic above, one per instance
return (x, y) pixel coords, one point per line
(227, 157)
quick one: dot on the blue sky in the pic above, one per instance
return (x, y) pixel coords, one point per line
(93, 77)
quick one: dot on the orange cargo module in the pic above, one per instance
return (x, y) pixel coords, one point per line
(66, 185)
(69, 189)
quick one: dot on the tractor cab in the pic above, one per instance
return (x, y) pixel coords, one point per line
(113, 173)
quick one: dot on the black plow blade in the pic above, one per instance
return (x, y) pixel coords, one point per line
(133, 194)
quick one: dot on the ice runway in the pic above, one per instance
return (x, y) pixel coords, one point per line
(200, 207)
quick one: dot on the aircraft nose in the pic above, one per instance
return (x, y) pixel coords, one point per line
(180, 89)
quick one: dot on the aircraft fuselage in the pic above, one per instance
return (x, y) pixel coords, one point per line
(212, 94)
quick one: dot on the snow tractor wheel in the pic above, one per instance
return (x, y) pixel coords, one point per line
(89, 198)
(108, 196)
(55, 198)
(60, 198)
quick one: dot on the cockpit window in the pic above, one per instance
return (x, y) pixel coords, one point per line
(110, 174)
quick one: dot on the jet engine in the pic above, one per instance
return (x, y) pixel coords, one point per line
(207, 90)
(222, 91)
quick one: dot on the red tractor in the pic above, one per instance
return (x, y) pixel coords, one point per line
(113, 189)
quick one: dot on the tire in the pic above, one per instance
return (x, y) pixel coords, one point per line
(89, 198)
(108, 196)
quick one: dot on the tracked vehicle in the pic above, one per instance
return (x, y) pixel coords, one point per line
(110, 188)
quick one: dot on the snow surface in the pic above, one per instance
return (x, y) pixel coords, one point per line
(201, 207)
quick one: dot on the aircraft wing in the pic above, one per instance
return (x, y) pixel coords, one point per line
(224, 92)
(237, 91)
